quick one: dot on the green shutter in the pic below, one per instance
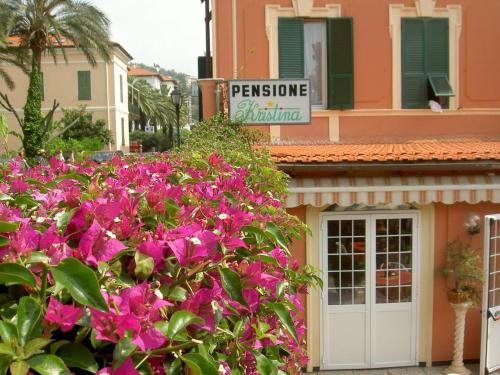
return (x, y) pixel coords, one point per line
(42, 86)
(437, 58)
(414, 80)
(436, 46)
(84, 87)
(291, 47)
(340, 63)
(440, 85)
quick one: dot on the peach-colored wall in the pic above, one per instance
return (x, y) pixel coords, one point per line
(479, 76)
(374, 128)
(449, 225)
(316, 131)
(298, 249)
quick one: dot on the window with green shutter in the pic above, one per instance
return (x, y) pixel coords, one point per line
(84, 86)
(425, 62)
(321, 51)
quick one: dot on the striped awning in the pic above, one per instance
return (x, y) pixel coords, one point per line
(346, 191)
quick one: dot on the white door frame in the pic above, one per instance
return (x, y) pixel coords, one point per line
(370, 217)
(486, 320)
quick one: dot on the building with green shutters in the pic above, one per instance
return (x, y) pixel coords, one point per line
(402, 149)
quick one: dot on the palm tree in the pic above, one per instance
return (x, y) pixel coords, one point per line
(43, 26)
(155, 107)
(9, 54)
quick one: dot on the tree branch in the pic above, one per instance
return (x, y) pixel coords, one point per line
(5, 102)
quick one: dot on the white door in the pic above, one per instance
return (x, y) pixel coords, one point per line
(369, 300)
(490, 337)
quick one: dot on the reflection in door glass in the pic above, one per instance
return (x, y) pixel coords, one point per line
(393, 276)
(346, 262)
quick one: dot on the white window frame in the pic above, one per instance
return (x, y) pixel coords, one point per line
(425, 8)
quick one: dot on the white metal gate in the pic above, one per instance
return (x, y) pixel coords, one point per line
(490, 334)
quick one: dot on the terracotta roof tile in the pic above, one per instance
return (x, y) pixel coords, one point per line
(387, 152)
(136, 71)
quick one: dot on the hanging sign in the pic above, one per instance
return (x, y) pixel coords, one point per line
(274, 101)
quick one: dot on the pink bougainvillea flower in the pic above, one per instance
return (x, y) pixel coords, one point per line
(155, 249)
(18, 185)
(151, 338)
(111, 326)
(22, 242)
(65, 316)
(200, 303)
(127, 368)
(194, 245)
(54, 245)
(98, 245)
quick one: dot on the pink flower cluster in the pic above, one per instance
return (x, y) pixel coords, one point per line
(159, 234)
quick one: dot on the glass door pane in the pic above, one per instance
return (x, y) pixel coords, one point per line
(394, 259)
(346, 262)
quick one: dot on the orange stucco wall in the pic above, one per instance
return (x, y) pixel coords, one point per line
(479, 76)
(298, 249)
(374, 128)
(449, 221)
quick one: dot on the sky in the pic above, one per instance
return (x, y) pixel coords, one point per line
(170, 33)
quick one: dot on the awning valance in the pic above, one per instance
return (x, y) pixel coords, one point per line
(346, 191)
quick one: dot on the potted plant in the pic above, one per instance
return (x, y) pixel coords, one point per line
(463, 272)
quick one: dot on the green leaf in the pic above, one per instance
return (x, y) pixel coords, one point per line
(24, 201)
(178, 294)
(231, 283)
(8, 226)
(35, 345)
(48, 364)
(29, 315)
(264, 365)
(13, 273)
(4, 241)
(285, 317)
(63, 220)
(144, 265)
(38, 257)
(174, 368)
(273, 232)
(77, 355)
(280, 289)
(19, 368)
(8, 331)
(5, 197)
(81, 282)
(55, 346)
(123, 350)
(4, 364)
(179, 321)
(6, 349)
(199, 364)
(268, 259)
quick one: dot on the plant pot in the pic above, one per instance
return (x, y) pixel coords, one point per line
(456, 298)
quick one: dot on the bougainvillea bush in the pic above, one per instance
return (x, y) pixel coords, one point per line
(147, 266)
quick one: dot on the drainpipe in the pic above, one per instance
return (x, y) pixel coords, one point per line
(235, 40)
(217, 97)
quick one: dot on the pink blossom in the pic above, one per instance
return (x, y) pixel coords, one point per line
(127, 368)
(97, 245)
(65, 316)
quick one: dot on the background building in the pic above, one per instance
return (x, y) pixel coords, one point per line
(102, 89)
